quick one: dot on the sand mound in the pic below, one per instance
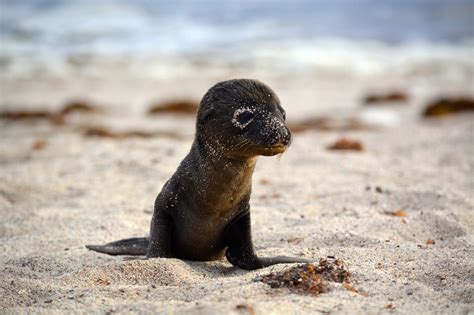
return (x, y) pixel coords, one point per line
(166, 272)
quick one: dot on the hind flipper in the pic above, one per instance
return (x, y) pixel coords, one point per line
(136, 246)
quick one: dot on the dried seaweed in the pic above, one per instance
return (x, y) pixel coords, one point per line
(265, 181)
(102, 132)
(322, 123)
(175, 107)
(78, 106)
(311, 279)
(274, 195)
(446, 106)
(386, 98)
(39, 145)
(246, 307)
(346, 144)
(55, 117)
(397, 213)
(101, 281)
(26, 115)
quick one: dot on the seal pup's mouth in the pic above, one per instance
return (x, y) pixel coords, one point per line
(273, 150)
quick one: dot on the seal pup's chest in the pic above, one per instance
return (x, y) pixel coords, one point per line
(199, 235)
(199, 228)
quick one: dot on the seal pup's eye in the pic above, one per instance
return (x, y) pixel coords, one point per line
(243, 117)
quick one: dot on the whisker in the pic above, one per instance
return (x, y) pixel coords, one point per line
(242, 144)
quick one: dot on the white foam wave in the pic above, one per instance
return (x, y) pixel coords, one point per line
(322, 57)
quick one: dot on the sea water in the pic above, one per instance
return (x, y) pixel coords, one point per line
(153, 39)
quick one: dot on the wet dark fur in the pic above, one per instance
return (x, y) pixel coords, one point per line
(203, 211)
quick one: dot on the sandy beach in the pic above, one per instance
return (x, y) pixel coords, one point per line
(97, 110)
(60, 190)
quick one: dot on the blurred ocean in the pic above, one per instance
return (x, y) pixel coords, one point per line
(156, 39)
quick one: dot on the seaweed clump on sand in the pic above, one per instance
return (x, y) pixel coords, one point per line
(55, 117)
(78, 106)
(311, 279)
(103, 132)
(446, 106)
(346, 144)
(397, 213)
(389, 97)
(175, 107)
(323, 123)
(25, 114)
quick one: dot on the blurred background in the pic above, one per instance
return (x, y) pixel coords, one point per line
(129, 53)
(97, 108)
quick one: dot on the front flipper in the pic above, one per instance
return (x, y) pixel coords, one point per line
(136, 246)
(240, 250)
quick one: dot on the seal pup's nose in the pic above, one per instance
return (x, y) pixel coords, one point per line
(285, 136)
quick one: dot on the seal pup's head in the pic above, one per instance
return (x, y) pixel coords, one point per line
(242, 118)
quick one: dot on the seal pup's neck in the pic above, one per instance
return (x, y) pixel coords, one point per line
(224, 178)
(218, 154)
(216, 158)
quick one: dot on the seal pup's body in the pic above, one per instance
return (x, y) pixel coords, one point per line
(203, 211)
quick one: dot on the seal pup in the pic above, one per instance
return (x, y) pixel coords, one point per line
(203, 211)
